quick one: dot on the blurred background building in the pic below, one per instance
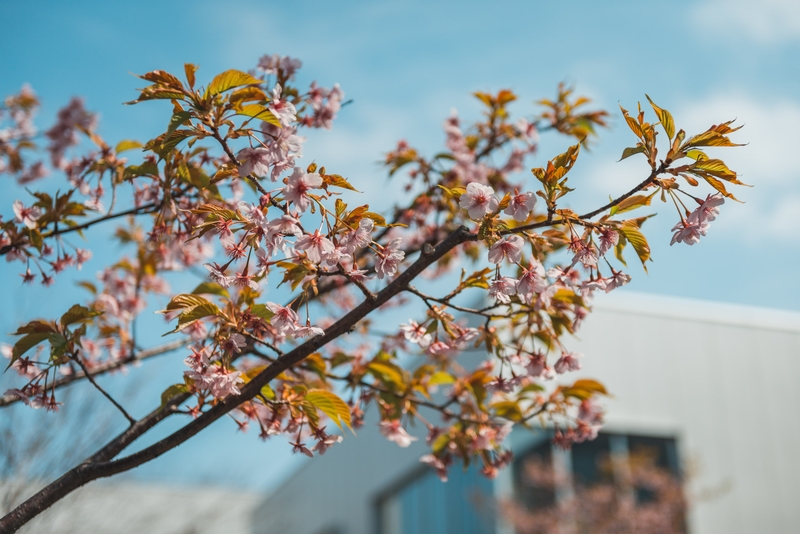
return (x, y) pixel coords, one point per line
(707, 390)
(693, 383)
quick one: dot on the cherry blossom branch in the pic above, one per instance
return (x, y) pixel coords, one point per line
(91, 379)
(146, 208)
(653, 174)
(232, 157)
(441, 408)
(445, 301)
(99, 466)
(5, 400)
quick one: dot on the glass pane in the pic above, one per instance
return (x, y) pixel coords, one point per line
(590, 461)
(534, 478)
(463, 505)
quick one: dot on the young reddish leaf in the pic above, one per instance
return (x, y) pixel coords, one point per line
(338, 181)
(190, 69)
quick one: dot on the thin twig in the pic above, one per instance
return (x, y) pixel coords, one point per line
(106, 367)
(90, 378)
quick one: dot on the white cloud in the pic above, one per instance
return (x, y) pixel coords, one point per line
(763, 21)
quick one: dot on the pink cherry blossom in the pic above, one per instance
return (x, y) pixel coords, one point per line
(216, 273)
(26, 216)
(308, 331)
(567, 362)
(708, 210)
(298, 186)
(389, 258)
(285, 319)
(416, 333)
(521, 206)
(618, 279)
(527, 130)
(393, 431)
(585, 253)
(358, 238)
(509, 247)
(243, 279)
(274, 63)
(478, 200)
(466, 336)
(223, 382)
(315, 246)
(437, 464)
(283, 110)
(608, 238)
(537, 365)
(501, 288)
(689, 232)
(255, 161)
(532, 280)
(439, 348)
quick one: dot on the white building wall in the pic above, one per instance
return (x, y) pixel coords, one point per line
(723, 379)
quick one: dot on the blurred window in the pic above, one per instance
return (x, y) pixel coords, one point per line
(424, 504)
(595, 482)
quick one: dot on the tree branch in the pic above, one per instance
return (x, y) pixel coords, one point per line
(106, 367)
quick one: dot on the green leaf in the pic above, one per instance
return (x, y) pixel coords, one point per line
(716, 167)
(261, 310)
(26, 343)
(127, 144)
(387, 373)
(148, 168)
(77, 314)
(90, 287)
(630, 151)
(440, 443)
(36, 327)
(665, 117)
(440, 377)
(590, 385)
(173, 391)
(331, 405)
(636, 238)
(210, 288)
(178, 119)
(184, 301)
(257, 111)
(198, 312)
(228, 80)
(455, 192)
(633, 202)
(507, 410)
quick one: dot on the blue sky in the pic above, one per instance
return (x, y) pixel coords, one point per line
(407, 64)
